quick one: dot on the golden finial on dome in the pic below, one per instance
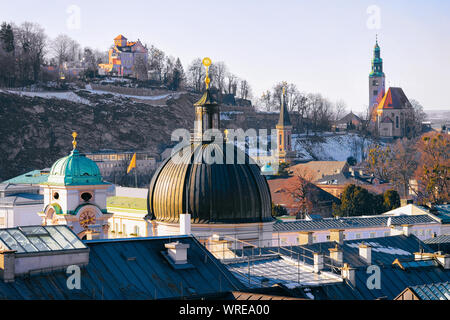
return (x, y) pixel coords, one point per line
(207, 62)
(74, 142)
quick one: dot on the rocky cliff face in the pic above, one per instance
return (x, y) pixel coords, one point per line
(36, 131)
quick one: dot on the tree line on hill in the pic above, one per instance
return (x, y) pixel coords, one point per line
(313, 111)
(25, 51)
(417, 167)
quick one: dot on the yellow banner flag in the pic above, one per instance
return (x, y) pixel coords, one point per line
(132, 163)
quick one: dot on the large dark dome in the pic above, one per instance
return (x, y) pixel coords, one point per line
(211, 193)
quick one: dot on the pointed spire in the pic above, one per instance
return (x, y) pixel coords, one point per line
(284, 114)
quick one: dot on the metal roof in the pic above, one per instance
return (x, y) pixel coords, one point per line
(393, 282)
(279, 270)
(443, 238)
(349, 222)
(22, 198)
(432, 291)
(130, 269)
(394, 277)
(439, 243)
(33, 239)
(384, 250)
(442, 212)
(32, 177)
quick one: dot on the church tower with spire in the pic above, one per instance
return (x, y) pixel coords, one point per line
(284, 133)
(376, 79)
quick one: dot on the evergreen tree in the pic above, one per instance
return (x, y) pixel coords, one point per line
(391, 200)
(178, 76)
(278, 210)
(355, 201)
(7, 37)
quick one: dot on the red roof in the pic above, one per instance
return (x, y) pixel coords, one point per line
(120, 37)
(394, 98)
(281, 190)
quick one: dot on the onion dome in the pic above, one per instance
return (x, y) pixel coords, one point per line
(75, 169)
(221, 192)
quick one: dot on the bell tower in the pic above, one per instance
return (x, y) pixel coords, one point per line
(376, 79)
(284, 133)
(75, 195)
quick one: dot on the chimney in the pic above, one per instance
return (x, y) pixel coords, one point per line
(406, 229)
(318, 262)
(348, 273)
(8, 265)
(337, 235)
(185, 223)
(177, 252)
(336, 255)
(419, 256)
(365, 252)
(444, 260)
(305, 237)
(404, 202)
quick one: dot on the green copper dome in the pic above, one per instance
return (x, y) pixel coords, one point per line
(75, 169)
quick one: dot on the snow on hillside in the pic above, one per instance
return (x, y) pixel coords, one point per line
(121, 95)
(324, 146)
(68, 95)
(330, 146)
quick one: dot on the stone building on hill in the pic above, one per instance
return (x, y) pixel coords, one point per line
(125, 58)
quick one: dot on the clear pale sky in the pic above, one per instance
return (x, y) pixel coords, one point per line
(321, 46)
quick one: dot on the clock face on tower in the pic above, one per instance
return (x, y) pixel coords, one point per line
(87, 217)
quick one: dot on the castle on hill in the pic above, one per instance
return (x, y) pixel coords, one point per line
(125, 57)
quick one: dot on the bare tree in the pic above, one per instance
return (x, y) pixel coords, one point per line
(301, 193)
(218, 72)
(156, 58)
(195, 74)
(404, 164)
(31, 42)
(61, 47)
(231, 83)
(266, 101)
(244, 89)
(140, 68)
(414, 119)
(339, 110)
